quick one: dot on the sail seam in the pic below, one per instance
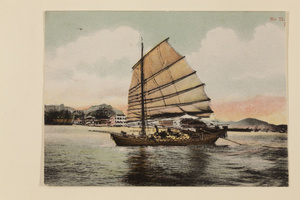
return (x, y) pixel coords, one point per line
(131, 90)
(172, 114)
(170, 105)
(152, 100)
(191, 112)
(137, 96)
(178, 114)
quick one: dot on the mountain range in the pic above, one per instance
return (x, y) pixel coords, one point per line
(58, 108)
(248, 124)
(255, 124)
(85, 111)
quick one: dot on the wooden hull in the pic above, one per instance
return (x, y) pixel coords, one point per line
(121, 140)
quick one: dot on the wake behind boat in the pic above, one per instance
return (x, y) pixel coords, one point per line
(165, 88)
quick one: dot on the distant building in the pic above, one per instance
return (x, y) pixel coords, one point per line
(149, 123)
(176, 122)
(166, 123)
(89, 120)
(118, 120)
(77, 121)
(134, 124)
(102, 122)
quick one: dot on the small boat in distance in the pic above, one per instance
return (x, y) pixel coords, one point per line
(164, 86)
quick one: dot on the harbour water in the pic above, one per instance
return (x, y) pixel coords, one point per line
(77, 156)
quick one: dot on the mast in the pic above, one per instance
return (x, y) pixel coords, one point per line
(142, 89)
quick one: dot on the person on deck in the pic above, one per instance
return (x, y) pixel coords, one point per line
(156, 128)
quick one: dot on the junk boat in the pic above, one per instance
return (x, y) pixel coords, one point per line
(164, 86)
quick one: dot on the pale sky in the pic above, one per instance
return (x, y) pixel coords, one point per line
(240, 56)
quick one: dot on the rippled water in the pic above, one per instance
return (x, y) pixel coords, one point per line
(75, 156)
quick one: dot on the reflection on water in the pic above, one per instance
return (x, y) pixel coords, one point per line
(208, 165)
(160, 166)
(75, 156)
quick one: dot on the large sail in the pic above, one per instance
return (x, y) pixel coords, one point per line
(171, 86)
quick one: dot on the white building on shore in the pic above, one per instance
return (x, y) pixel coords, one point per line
(119, 119)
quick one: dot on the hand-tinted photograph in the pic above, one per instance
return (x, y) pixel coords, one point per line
(178, 98)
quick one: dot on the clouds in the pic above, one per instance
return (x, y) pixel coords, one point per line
(100, 48)
(234, 68)
(93, 69)
(96, 68)
(244, 78)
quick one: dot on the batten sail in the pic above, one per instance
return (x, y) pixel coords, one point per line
(171, 86)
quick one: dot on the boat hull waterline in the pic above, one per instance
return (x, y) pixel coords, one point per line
(121, 140)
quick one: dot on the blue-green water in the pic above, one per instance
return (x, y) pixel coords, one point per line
(75, 156)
